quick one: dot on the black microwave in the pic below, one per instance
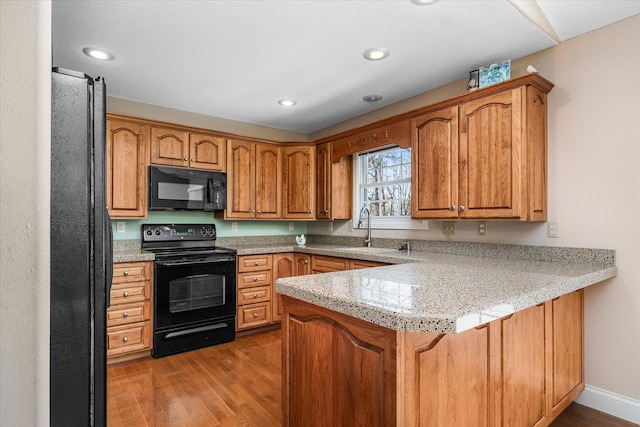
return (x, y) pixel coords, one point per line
(186, 189)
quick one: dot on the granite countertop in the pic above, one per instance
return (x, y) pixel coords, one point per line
(443, 292)
(443, 288)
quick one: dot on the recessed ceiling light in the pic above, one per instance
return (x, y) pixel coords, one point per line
(372, 98)
(287, 102)
(376, 53)
(97, 54)
(424, 2)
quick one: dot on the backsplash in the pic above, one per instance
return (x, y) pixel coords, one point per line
(223, 228)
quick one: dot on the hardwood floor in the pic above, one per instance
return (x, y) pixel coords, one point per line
(233, 384)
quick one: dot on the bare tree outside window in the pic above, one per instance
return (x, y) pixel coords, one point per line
(385, 184)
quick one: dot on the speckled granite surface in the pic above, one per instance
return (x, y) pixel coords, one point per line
(443, 293)
(440, 287)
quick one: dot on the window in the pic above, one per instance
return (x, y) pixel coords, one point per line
(383, 185)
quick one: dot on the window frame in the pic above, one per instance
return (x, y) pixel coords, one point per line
(379, 223)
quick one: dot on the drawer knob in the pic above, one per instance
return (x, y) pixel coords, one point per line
(255, 295)
(125, 339)
(255, 314)
(125, 314)
(126, 293)
(255, 279)
(126, 273)
(256, 263)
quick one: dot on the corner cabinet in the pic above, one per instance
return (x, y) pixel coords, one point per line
(178, 147)
(126, 168)
(333, 191)
(483, 156)
(299, 182)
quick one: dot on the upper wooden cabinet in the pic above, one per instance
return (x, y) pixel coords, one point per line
(126, 168)
(334, 186)
(485, 158)
(176, 147)
(254, 183)
(299, 188)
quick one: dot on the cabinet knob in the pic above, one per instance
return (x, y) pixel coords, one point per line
(452, 208)
(461, 208)
(259, 211)
(255, 279)
(125, 314)
(193, 160)
(126, 293)
(253, 211)
(186, 159)
(255, 314)
(306, 261)
(325, 211)
(257, 263)
(255, 295)
(125, 339)
(126, 273)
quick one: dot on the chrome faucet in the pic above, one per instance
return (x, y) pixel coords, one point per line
(368, 239)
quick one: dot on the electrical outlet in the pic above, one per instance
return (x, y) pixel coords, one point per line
(350, 226)
(553, 230)
(330, 225)
(120, 226)
(234, 226)
(290, 225)
(449, 227)
(482, 228)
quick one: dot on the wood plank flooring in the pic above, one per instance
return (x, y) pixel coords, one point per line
(233, 384)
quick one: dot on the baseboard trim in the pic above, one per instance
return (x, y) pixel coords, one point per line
(610, 403)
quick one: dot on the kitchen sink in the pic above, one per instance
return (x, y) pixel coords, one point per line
(367, 250)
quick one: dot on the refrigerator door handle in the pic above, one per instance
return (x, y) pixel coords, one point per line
(109, 258)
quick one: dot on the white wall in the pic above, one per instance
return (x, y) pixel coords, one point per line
(594, 189)
(25, 88)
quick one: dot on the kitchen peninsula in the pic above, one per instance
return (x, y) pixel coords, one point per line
(478, 339)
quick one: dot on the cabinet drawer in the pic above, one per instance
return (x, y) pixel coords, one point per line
(128, 313)
(356, 264)
(326, 263)
(254, 315)
(127, 338)
(251, 280)
(132, 272)
(254, 295)
(130, 292)
(254, 263)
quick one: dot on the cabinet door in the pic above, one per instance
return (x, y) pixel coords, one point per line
(126, 169)
(323, 175)
(299, 187)
(434, 165)
(566, 380)
(268, 181)
(283, 266)
(169, 147)
(491, 156)
(240, 180)
(207, 152)
(333, 185)
(303, 264)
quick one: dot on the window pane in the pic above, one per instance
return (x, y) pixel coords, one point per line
(391, 166)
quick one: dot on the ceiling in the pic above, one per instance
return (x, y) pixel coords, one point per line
(236, 59)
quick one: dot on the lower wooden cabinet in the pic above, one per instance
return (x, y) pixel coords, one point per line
(129, 331)
(521, 370)
(254, 291)
(259, 304)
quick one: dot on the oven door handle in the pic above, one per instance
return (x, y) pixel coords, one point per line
(192, 262)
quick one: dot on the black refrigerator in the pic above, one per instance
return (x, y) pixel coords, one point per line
(81, 258)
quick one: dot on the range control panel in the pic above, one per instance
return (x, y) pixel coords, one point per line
(178, 232)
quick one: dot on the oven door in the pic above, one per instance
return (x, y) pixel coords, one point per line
(189, 292)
